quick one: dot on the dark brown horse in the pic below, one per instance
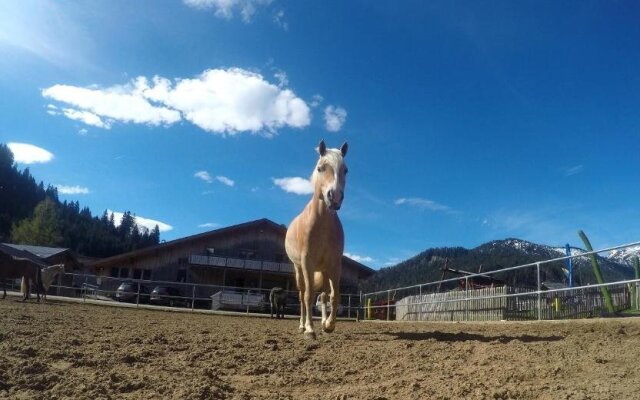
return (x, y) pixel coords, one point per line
(12, 267)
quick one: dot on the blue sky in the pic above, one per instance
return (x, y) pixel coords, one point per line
(466, 121)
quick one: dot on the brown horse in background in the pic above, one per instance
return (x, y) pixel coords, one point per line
(15, 268)
(315, 239)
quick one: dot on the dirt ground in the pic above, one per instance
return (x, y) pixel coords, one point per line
(81, 351)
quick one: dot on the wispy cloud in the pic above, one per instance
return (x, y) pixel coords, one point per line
(296, 185)
(280, 20)
(221, 101)
(424, 204)
(226, 9)
(225, 181)
(29, 154)
(210, 225)
(141, 221)
(576, 169)
(64, 189)
(334, 118)
(359, 258)
(316, 100)
(204, 175)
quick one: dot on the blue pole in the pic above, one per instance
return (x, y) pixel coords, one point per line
(569, 264)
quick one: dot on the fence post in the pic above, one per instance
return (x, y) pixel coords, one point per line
(388, 305)
(193, 296)
(349, 312)
(84, 291)
(466, 298)
(539, 293)
(138, 295)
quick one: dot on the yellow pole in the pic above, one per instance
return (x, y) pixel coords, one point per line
(369, 308)
(556, 303)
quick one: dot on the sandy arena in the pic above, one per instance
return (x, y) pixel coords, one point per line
(81, 351)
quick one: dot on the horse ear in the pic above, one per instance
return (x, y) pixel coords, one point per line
(322, 148)
(344, 148)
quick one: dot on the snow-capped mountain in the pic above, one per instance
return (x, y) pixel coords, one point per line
(625, 256)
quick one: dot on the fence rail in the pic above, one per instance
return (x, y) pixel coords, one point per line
(186, 295)
(420, 303)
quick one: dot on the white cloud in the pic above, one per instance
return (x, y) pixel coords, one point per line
(224, 180)
(83, 131)
(282, 78)
(334, 118)
(210, 225)
(119, 103)
(279, 20)
(222, 101)
(360, 259)
(87, 117)
(141, 221)
(29, 154)
(72, 189)
(204, 175)
(425, 204)
(316, 100)
(227, 8)
(294, 185)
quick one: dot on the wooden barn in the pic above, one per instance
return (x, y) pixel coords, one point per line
(248, 255)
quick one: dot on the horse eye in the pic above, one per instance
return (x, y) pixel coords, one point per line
(321, 168)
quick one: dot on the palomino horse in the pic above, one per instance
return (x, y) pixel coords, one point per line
(15, 268)
(48, 275)
(278, 301)
(315, 239)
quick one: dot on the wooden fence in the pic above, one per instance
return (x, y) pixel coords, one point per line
(461, 305)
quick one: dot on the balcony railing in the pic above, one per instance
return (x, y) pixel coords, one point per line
(255, 265)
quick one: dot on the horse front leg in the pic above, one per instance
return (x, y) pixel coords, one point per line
(308, 298)
(300, 284)
(330, 324)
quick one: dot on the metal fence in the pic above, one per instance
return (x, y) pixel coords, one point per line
(184, 295)
(423, 302)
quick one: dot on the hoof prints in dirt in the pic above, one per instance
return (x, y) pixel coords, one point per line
(81, 353)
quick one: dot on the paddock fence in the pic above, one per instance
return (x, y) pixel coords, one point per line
(424, 302)
(182, 295)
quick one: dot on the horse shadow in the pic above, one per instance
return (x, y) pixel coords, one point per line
(467, 337)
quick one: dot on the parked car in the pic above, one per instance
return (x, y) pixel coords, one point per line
(168, 296)
(128, 291)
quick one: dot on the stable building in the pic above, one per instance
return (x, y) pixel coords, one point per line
(248, 255)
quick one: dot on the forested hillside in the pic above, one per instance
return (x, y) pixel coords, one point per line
(31, 213)
(427, 266)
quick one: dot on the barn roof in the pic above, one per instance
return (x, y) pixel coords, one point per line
(214, 233)
(40, 251)
(15, 252)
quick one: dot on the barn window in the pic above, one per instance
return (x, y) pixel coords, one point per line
(115, 272)
(124, 272)
(137, 274)
(146, 274)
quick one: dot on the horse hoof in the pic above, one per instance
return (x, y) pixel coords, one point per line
(310, 335)
(327, 329)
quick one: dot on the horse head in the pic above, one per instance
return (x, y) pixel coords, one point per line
(329, 176)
